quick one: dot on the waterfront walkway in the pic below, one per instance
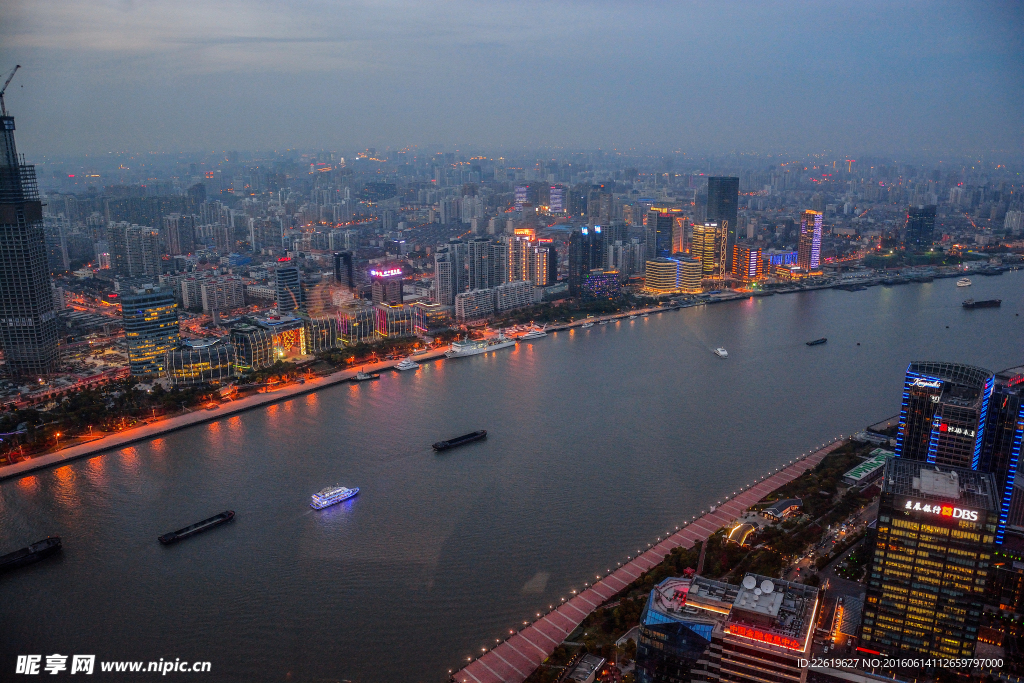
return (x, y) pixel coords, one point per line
(200, 415)
(516, 658)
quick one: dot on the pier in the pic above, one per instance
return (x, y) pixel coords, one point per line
(513, 660)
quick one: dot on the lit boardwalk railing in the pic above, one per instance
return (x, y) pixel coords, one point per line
(513, 660)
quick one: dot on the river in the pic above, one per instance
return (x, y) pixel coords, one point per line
(598, 441)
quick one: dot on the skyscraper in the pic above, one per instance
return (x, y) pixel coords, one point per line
(133, 250)
(449, 272)
(932, 555)
(28, 322)
(586, 252)
(808, 253)
(150, 317)
(709, 246)
(344, 273)
(723, 197)
(658, 232)
(1003, 436)
(746, 262)
(942, 416)
(920, 227)
(288, 286)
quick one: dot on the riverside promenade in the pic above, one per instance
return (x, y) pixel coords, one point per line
(513, 660)
(201, 415)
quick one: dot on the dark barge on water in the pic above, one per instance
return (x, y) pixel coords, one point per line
(988, 303)
(197, 528)
(817, 341)
(32, 553)
(460, 440)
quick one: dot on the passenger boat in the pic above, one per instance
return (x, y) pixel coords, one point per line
(816, 342)
(632, 317)
(585, 326)
(460, 440)
(407, 364)
(535, 333)
(721, 352)
(363, 377)
(987, 303)
(964, 282)
(472, 347)
(332, 495)
(30, 554)
(198, 527)
(603, 322)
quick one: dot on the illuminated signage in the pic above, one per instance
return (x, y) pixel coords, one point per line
(955, 430)
(529, 232)
(761, 636)
(926, 383)
(942, 510)
(284, 259)
(390, 272)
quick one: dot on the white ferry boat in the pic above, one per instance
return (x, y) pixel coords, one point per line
(632, 317)
(585, 326)
(964, 282)
(535, 333)
(721, 353)
(407, 364)
(332, 495)
(472, 347)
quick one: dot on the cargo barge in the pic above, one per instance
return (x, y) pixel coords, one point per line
(460, 440)
(198, 527)
(30, 554)
(987, 303)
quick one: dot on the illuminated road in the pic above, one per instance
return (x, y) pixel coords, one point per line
(515, 659)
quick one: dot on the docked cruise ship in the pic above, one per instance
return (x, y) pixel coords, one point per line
(332, 495)
(471, 347)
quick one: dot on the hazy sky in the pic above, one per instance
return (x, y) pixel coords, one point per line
(854, 76)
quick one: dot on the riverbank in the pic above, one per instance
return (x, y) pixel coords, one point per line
(200, 416)
(519, 654)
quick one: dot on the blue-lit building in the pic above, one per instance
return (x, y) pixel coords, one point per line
(672, 638)
(956, 415)
(601, 284)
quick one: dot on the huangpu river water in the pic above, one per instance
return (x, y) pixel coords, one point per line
(599, 440)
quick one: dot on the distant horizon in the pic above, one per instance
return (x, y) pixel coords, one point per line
(914, 78)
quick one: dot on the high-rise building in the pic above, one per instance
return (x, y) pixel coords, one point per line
(512, 295)
(150, 317)
(28, 322)
(133, 250)
(746, 262)
(1001, 448)
(344, 272)
(449, 273)
(680, 232)
(288, 285)
(941, 419)
(222, 294)
(556, 200)
(543, 265)
(179, 233)
(920, 227)
(932, 554)
(478, 260)
(808, 253)
(709, 246)
(723, 198)
(386, 284)
(586, 252)
(658, 232)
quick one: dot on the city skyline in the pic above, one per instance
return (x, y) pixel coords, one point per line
(158, 77)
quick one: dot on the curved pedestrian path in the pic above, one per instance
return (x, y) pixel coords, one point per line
(513, 660)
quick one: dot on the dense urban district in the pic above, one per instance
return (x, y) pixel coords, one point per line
(137, 289)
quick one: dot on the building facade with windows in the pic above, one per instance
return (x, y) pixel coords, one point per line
(931, 560)
(150, 317)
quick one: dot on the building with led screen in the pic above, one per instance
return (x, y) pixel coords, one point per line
(931, 560)
(1003, 434)
(386, 284)
(941, 419)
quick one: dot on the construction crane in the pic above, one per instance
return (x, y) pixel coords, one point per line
(10, 76)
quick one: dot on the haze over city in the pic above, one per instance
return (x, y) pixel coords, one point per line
(868, 77)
